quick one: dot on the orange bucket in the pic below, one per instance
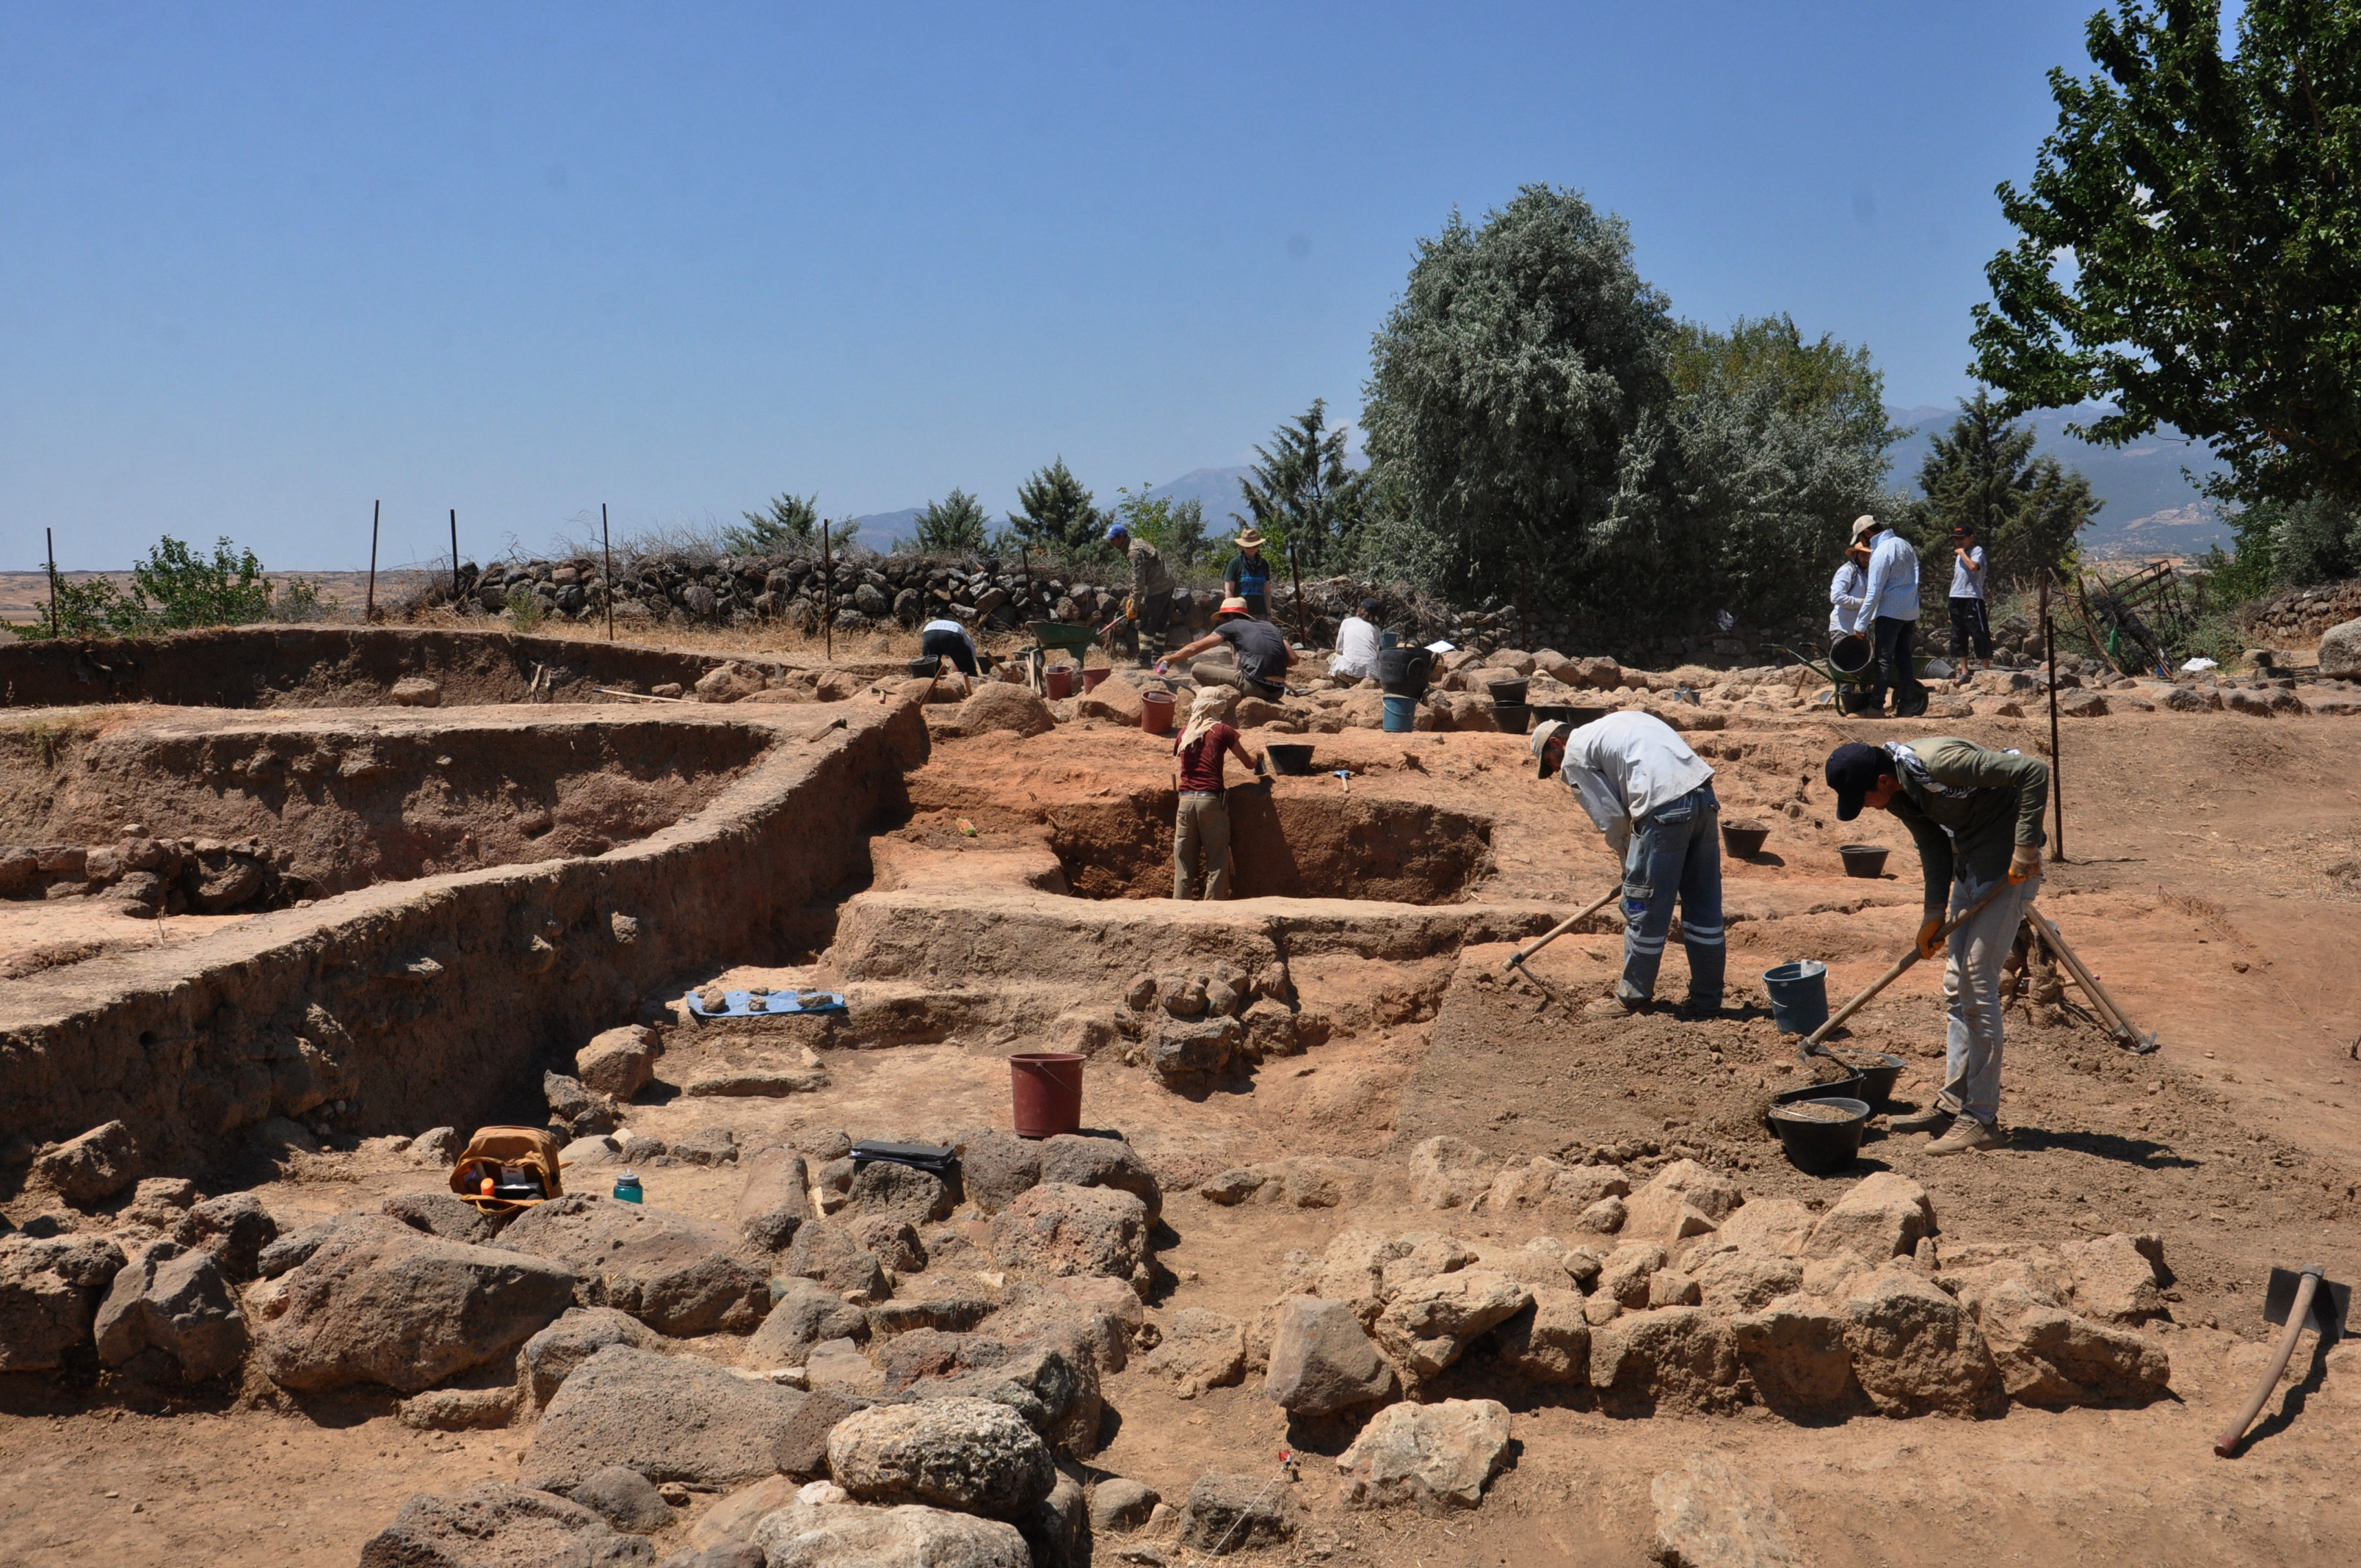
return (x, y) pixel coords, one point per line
(1156, 712)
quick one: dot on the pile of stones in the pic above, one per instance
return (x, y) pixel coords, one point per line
(1195, 1025)
(148, 875)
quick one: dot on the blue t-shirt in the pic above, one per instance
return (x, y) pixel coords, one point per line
(1251, 573)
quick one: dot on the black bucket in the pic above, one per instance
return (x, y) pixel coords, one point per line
(1864, 859)
(1513, 720)
(1851, 654)
(1508, 694)
(1563, 713)
(1404, 672)
(1293, 761)
(1879, 1072)
(1744, 839)
(1799, 995)
(927, 668)
(1820, 1142)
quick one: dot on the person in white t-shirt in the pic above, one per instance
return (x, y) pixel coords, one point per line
(1356, 645)
(1970, 625)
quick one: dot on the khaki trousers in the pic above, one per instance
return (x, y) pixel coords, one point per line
(1202, 823)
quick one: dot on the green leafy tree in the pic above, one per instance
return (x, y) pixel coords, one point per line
(953, 526)
(88, 609)
(2026, 511)
(1055, 511)
(1522, 360)
(1808, 380)
(789, 526)
(1300, 492)
(1176, 529)
(176, 588)
(2190, 245)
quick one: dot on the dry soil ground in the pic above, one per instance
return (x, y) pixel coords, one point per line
(2209, 881)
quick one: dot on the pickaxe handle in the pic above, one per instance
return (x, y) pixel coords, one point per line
(2227, 1443)
(1901, 966)
(1517, 959)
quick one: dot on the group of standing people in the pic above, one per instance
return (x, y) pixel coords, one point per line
(1874, 596)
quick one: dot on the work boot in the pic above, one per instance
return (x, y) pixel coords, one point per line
(1698, 1009)
(1968, 1134)
(1614, 1007)
(1933, 1118)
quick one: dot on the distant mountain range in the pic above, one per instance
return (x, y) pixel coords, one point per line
(2150, 507)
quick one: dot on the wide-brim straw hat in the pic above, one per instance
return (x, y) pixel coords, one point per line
(1233, 605)
(1249, 540)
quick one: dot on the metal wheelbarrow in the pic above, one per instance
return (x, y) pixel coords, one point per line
(1849, 664)
(1054, 636)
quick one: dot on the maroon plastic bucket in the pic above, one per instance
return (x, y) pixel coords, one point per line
(1046, 1092)
(1094, 679)
(1156, 712)
(1058, 681)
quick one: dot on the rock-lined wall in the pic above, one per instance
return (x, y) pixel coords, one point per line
(413, 1004)
(2299, 615)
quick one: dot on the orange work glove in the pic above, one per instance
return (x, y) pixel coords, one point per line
(1930, 940)
(2026, 864)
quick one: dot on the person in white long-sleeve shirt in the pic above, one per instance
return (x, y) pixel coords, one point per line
(1848, 589)
(1356, 645)
(1653, 797)
(1890, 609)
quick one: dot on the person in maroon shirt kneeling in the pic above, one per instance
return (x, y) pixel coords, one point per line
(1203, 820)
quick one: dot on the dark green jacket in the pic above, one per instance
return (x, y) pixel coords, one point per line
(2002, 807)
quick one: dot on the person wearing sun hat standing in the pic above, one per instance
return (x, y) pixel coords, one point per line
(1975, 815)
(1247, 576)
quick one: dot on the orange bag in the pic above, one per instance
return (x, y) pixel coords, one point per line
(515, 1160)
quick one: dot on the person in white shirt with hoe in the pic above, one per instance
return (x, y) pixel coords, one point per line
(1653, 799)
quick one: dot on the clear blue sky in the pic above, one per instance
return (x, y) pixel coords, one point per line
(261, 266)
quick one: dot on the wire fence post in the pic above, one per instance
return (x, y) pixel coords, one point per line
(454, 560)
(2057, 777)
(827, 593)
(607, 547)
(368, 606)
(57, 628)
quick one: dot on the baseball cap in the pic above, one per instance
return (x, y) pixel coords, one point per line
(1118, 531)
(1555, 729)
(1853, 770)
(1865, 524)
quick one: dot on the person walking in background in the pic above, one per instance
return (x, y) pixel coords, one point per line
(1357, 642)
(1202, 823)
(1970, 620)
(1247, 576)
(1975, 815)
(1890, 604)
(1150, 609)
(1653, 798)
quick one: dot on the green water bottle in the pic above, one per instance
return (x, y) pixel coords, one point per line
(627, 1188)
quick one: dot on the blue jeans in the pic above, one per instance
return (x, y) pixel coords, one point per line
(1675, 851)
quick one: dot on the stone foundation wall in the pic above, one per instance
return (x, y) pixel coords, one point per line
(418, 1003)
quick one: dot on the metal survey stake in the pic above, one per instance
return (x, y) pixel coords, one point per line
(606, 544)
(368, 606)
(454, 557)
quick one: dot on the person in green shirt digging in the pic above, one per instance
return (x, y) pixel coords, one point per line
(1975, 816)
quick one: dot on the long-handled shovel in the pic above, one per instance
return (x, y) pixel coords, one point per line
(1517, 960)
(2119, 1021)
(1818, 1036)
(2291, 1299)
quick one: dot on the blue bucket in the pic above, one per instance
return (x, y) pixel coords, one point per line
(1799, 995)
(1402, 714)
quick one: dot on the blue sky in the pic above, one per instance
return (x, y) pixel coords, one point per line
(262, 266)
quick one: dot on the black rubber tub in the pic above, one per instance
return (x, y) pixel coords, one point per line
(1821, 1136)
(1294, 761)
(1508, 694)
(1864, 859)
(1744, 839)
(1878, 1070)
(1512, 718)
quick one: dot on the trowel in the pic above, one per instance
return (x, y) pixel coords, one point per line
(2293, 1298)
